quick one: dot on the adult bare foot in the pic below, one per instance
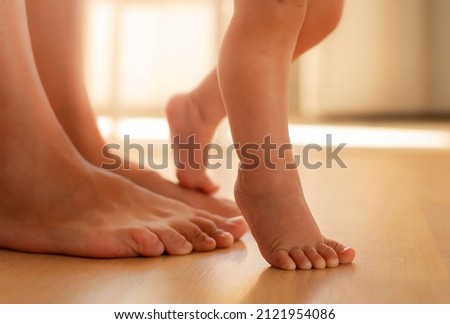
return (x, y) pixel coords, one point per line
(154, 182)
(56, 202)
(188, 125)
(282, 224)
(53, 201)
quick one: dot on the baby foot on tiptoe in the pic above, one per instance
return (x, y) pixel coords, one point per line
(284, 228)
(188, 126)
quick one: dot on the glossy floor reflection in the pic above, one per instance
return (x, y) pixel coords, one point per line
(392, 205)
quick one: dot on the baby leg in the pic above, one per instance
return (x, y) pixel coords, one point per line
(197, 113)
(253, 71)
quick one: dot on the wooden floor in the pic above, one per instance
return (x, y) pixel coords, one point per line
(393, 206)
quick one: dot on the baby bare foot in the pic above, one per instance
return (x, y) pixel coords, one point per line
(281, 222)
(187, 124)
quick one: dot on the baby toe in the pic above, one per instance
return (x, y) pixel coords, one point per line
(315, 258)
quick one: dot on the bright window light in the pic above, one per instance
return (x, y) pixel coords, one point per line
(371, 137)
(157, 130)
(140, 53)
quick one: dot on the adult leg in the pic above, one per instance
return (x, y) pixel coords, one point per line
(53, 201)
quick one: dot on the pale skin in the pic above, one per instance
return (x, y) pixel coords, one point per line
(251, 87)
(52, 199)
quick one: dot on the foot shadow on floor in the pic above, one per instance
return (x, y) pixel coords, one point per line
(275, 286)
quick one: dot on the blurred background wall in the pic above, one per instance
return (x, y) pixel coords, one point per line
(387, 57)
